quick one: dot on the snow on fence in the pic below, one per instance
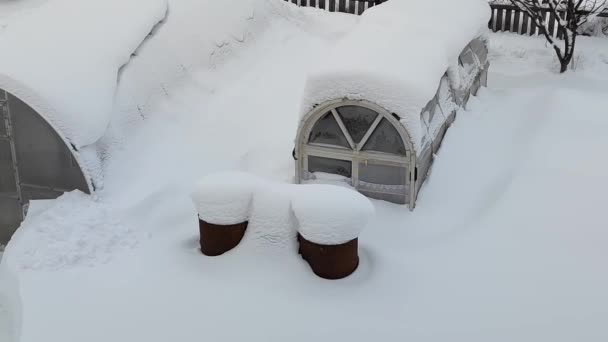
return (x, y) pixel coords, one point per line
(344, 6)
(509, 18)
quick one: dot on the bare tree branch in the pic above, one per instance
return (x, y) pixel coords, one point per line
(569, 15)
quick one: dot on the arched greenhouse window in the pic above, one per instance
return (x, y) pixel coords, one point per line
(353, 143)
(357, 128)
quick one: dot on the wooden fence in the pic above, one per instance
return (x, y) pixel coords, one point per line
(509, 18)
(505, 17)
(345, 6)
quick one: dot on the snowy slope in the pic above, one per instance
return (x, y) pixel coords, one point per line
(9, 8)
(507, 242)
(196, 38)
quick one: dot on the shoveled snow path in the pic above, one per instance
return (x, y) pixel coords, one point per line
(507, 243)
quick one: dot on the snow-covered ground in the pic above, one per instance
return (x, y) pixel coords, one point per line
(12, 9)
(4, 325)
(507, 242)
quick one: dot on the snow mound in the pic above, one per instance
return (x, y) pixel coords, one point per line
(74, 230)
(68, 71)
(272, 227)
(330, 215)
(395, 57)
(225, 198)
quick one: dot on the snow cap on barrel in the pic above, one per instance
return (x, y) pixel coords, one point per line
(329, 214)
(225, 198)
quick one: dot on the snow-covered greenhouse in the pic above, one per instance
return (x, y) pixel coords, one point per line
(376, 125)
(56, 107)
(35, 162)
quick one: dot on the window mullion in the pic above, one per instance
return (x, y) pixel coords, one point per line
(343, 128)
(369, 132)
(328, 152)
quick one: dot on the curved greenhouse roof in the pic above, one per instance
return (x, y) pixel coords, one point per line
(396, 56)
(68, 70)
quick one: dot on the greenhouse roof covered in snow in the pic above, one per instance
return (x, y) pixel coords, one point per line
(397, 55)
(374, 114)
(67, 69)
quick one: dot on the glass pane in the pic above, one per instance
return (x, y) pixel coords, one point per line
(445, 97)
(383, 182)
(385, 139)
(327, 131)
(29, 193)
(10, 217)
(7, 173)
(357, 120)
(2, 125)
(42, 156)
(327, 165)
(467, 59)
(382, 174)
(480, 50)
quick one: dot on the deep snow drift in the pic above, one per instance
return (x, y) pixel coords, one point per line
(507, 242)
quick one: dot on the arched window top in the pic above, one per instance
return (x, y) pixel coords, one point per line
(357, 128)
(357, 120)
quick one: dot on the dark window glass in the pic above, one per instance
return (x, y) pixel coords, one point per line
(327, 131)
(333, 166)
(7, 173)
(43, 158)
(10, 217)
(357, 120)
(385, 138)
(383, 182)
(382, 174)
(3, 132)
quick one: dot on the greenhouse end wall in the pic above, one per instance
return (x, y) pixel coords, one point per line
(35, 162)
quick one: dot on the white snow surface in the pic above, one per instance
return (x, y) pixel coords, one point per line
(396, 56)
(197, 38)
(330, 214)
(10, 304)
(225, 198)
(511, 249)
(63, 57)
(91, 236)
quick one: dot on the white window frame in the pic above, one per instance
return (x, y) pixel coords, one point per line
(355, 155)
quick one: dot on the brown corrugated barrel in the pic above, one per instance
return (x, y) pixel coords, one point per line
(218, 239)
(330, 261)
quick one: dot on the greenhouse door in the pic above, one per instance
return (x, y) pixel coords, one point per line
(11, 212)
